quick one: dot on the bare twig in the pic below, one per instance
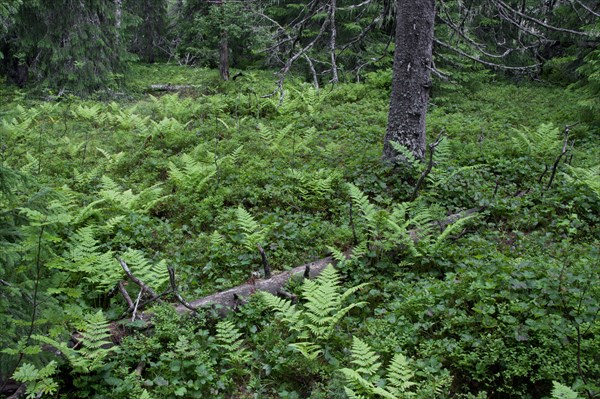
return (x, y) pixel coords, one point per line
(505, 6)
(136, 280)
(135, 306)
(487, 63)
(265, 261)
(125, 294)
(562, 153)
(427, 170)
(176, 292)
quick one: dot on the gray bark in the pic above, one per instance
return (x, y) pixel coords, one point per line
(411, 78)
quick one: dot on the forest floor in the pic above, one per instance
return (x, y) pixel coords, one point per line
(501, 304)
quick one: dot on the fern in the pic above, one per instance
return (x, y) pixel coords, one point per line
(192, 176)
(83, 256)
(588, 176)
(39, 382)
(89, 114)
(409, 225)
(400, 376)
(322, 311)
(95, 345)
(406, 155)
(127, 200)
(560, 391)
(252, 233)
(155, 275)
(228, 338)
(540, 144)
(363, 379)
(367, 210)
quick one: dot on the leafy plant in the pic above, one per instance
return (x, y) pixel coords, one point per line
(362, 381)
(314, 323)
(39, 382)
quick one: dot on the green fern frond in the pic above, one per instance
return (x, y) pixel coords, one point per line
(308, 349)
(265, 133)
(363, 357)
(284, 309)
(540, 144)
(96, 345)
(83, 256)
(193, 175)
(442, 152)
(560, 391)
(448, 231)
(91, 113)
(39, 382)
(588, 176)
(155, 275)
(126, 199)
(216, 239)
(252, 232)
(228, 337)
(367, 210)
(400, 376)
(357, 385)
(406, 155)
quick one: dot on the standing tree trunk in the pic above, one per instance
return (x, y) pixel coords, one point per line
(224, 57)
(223, 48)
(411, 78)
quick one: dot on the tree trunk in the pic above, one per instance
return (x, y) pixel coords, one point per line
(224, 57)
(411, 78)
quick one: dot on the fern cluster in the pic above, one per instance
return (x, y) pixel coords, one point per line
(409, 225)
(363, 379)
(315, 321)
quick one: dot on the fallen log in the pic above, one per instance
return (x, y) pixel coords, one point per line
(233, 297)
(169, 87)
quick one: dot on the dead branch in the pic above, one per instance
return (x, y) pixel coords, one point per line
(487, 63)
(565, 147)
(265, 261)
(182, 301)
(229, 298)
(125, 294)
(169, 87)
(136, 280)
(502, 4)
(427, 170)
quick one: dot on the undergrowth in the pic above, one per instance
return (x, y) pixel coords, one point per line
(502, 303)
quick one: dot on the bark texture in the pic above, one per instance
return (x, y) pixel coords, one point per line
(411, 78)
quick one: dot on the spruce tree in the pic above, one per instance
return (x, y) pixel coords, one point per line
(70, 46)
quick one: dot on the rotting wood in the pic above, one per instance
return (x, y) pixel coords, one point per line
(170, 87)
(230, 298)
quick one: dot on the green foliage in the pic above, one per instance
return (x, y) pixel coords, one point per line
(560, 391)
(315, 321)
(95, 345)
(588, 176)
(362, 381)
(228, 338)
(200, 177)
(588, 88)
(39, 382)
(253, 234)
(51, 44)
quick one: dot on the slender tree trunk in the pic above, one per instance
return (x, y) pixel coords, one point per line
(224, 57)
(118, 18)
(411, 78)
(332, 42)
(223, 50)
